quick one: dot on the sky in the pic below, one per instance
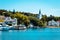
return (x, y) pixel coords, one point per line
(48, 7)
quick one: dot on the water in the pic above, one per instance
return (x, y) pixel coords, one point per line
(30, 34)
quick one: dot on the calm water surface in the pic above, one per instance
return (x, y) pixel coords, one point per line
(30, 34)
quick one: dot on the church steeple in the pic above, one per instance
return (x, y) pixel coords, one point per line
(39, 11)
(13, 11)
(39, 15)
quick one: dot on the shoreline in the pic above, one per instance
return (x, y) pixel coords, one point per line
(52, 27)
(5, 29)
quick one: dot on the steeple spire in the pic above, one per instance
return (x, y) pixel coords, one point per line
(39, 11)
(39, 15)
(13, 11)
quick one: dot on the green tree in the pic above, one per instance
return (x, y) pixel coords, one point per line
(22, 19)
(44, 18)
(2, 11)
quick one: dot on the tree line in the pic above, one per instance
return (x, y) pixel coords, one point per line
(28, 18)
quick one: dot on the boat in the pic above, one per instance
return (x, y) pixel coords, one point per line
(11, 28)
(4, 28)
(20, 27)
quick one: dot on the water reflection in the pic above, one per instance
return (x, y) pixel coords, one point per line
(30, 34)
(0, 32)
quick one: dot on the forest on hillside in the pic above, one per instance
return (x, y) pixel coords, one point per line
(28, 18)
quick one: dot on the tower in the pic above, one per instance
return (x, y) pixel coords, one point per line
(39, 15)
(13, 11)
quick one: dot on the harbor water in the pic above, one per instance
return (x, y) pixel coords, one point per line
(31, 34)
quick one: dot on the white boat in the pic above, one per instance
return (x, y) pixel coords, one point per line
(21, 27)
(4, 28)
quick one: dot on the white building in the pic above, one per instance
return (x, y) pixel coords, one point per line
(39, 15)
(58, 22)
(12, 22)
(54, 23)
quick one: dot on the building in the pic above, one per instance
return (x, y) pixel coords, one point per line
(54, 23)
(10, 21)
(2, 18)
(13, 11)
(39, 15)
(58, 22)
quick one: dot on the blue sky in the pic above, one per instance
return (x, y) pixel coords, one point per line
(48, 7)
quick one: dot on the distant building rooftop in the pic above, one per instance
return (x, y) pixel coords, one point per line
(58, 21)
(2, 18)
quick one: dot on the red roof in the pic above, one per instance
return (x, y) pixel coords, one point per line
(58, 21)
